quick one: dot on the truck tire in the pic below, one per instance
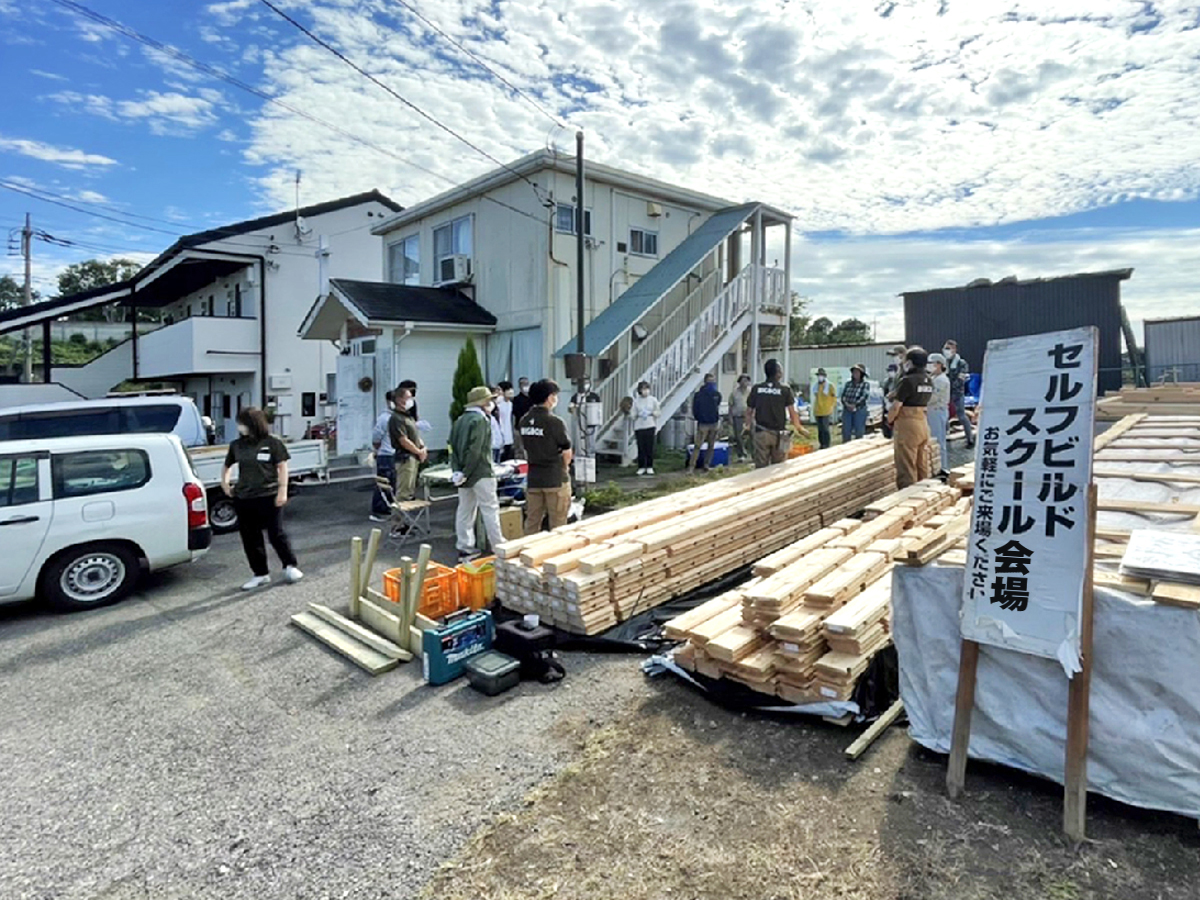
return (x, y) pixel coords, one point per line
(222, 514)
(90, 576)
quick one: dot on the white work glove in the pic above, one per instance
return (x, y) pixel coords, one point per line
(457, 479)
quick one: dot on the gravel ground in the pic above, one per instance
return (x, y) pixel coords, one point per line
(190, 743)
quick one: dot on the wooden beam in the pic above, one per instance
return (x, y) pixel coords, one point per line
(1079, 693)
(355, 574)
(369, 563)
(1147, 506)
(964, 703)
(1117, 430)
(1163, 477)
(878, 727)
(356, 631)
(357, 652)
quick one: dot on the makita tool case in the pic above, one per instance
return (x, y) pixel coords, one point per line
(446, 649)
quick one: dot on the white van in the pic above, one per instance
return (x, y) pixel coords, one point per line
(80, 516)
(114, 415)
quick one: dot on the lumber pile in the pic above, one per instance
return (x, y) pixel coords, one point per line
(807, 624)
(1181, 399)
(589, 576)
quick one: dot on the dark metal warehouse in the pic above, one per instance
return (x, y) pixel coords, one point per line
(985, 310)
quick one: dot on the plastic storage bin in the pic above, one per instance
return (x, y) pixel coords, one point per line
(439, 596)
(477, 582)
(493, 673)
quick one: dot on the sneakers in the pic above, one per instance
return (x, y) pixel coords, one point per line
(641, 471)
(256, 582)
(291, 574)
(649, 471)
(375, 517)
(467, 555)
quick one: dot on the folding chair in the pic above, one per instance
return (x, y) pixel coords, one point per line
(410, 518)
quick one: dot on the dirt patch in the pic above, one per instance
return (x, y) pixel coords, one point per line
(685, 800)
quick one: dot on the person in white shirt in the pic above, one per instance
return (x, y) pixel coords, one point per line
(645, 413)
(738, 401)
(497, 427)
(504, 409)
(385, 461)
(938, 410)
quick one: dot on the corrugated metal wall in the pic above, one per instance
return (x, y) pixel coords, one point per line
(839, 356)
(1173, 349)
(974, 316)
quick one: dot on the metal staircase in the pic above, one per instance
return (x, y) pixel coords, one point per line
(689, 342)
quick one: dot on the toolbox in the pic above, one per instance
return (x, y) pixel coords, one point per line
(446, 649)
(493, 673)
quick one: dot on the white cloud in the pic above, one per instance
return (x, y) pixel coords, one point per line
(50, 76)
(67, 157)
(165, 112)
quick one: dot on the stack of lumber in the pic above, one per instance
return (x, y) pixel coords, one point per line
(587, 577)
(1181, 399)
(806, 626)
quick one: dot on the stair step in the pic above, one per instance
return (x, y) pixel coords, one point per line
(353, 649)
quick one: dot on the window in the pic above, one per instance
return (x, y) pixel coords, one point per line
(233, 302)
(308, 404)
(404, 261)
(729, 363)
(150, 419)
(643, 243)
(60, 423)
(18, 480)
(99, 472)
(452, 239)
(564, 219)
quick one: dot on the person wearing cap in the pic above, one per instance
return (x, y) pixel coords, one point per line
(958, 372)
(855, 394)
(938, 410)
(472, 474)
(908, 421)
(548, 491)
(889, 389)
(738, 404)
(824, 402)
(768, 409)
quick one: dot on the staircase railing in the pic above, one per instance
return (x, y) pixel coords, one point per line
(666, 364)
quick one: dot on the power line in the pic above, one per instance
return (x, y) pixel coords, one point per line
(553, 118)
(221, 75)
(28, 193)
(363, 72)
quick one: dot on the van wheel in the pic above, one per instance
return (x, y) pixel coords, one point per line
(90, 576)
(222, 514)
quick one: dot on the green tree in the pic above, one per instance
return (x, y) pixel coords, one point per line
(850, 331)
(96, 273)
(818, 331)
(467, 374)
(12, 293)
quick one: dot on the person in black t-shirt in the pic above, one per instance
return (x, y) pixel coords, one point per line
(910, 426)
(548, 449)
(769, 407)
(520, 406)
(260, 495)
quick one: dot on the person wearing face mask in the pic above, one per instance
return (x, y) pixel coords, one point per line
(520, 406)
(410, 448)
(824, 402)
(855, 394)
(260, 495)
(472, 474)
(645, 412)
(909, 422)
(385, 459)
(958, 372)
(889, 393)
(706, 410)
(504, 410)
(938, 410)
(738, 404)
(548, 488)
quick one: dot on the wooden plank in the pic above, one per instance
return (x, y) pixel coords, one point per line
(1079, 699)
(358, 653)
(363, 635)
(368, 565)
(1147, 506)
(878, 727)
(355, 574)
(964, 703)
(1117, 430)
(1184, 595)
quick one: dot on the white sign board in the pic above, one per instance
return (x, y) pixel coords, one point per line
(1027, 548)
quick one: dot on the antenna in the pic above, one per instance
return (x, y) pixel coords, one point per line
(302, 228)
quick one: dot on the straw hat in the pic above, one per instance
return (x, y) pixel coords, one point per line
(479, 396)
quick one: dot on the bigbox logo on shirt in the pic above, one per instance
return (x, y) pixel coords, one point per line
(532, 431)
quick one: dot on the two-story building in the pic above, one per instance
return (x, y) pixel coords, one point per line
(674, 280)
(231, 301)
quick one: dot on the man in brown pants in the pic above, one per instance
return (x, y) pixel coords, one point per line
(548, 449)
(768, 410)
(910, 427)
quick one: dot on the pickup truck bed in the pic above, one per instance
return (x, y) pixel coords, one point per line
(309, 461)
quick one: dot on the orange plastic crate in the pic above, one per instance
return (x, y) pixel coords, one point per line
(477, 582)
(799, 450)
(439, 596)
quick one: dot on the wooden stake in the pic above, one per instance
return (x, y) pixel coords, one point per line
(369, 565)
(964, 704)
(355, 574)
(1079, 701)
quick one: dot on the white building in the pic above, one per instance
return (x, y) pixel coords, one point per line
(233, 299)
(674, 279)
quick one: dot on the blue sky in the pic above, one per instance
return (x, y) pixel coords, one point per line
(920, 144)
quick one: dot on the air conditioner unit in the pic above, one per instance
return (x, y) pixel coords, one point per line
(279, 383)
(653, 210)
(454, 269)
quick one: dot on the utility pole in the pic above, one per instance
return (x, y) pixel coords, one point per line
(581, 386)
(27, 251)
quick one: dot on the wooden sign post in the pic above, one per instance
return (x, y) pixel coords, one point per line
(1028, 581)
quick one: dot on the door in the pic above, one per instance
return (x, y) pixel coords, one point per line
(25, 512)
(355, 407)
(429, 360)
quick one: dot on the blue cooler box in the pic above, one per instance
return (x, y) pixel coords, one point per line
(720, 454)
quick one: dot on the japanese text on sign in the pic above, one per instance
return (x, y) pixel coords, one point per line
(1028, 542)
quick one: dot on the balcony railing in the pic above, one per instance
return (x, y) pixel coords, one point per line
(200, 345)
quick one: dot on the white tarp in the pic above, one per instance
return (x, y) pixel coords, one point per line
(1028, 539)
(1144, 747)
